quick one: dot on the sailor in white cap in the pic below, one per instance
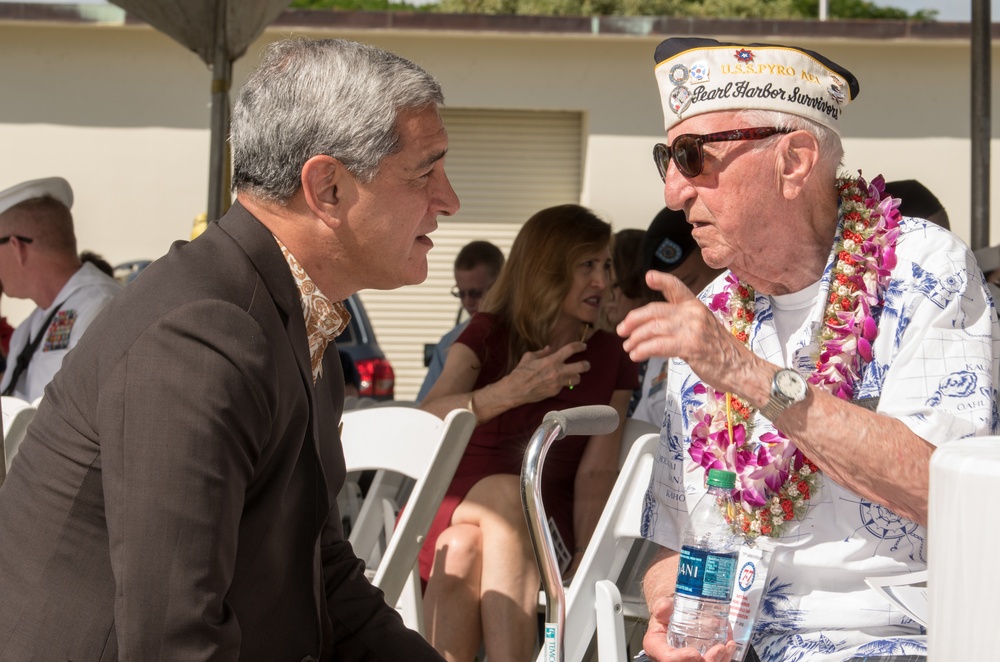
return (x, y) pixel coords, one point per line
(39, 261)
(841, 346)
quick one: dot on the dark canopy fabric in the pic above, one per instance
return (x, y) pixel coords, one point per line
(219, 31)
(205, 25)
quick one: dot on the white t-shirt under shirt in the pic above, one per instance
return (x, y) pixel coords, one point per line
(791, 313)
(935, 367)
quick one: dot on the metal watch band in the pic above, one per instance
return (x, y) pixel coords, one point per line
(775, 405)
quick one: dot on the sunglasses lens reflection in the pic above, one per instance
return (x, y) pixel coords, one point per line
(685, 153)
(687, 156)
(661, 156)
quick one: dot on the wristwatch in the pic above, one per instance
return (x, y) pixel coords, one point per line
(787, 388)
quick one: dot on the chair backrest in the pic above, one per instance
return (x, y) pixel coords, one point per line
(618, 530)
(409, 442)
(633, 430)
(17, 414)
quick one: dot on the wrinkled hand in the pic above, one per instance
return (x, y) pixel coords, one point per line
(542, 374)
(656, 646)
(684, 327)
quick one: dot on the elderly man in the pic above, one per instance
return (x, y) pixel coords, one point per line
(175, 498)
(842, 346)
(477, 266)
(38, 261)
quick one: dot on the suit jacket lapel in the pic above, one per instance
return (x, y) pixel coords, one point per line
(263, 251)
(260, 246)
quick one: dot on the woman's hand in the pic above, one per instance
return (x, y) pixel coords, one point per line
(542, 374)
(538, 375)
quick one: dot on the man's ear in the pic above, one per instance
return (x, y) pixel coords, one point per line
(798, 157)
(20, 250)
(322, 178)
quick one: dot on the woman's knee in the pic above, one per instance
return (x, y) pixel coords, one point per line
(460, 547)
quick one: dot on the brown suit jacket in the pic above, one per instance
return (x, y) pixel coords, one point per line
(175, 497)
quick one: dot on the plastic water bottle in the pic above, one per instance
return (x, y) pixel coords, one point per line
(706, 570)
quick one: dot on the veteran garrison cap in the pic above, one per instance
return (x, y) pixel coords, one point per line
(53, 187)
(668, 241)
(698, 75)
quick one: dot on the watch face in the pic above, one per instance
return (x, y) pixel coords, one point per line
(790, 384)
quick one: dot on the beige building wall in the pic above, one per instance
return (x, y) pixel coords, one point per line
(122, 112)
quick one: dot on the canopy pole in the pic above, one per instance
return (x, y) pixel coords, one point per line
(219, 198)
(980, 135)
(218, 176)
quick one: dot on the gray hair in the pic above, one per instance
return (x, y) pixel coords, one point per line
(831, 149)
(325, 96)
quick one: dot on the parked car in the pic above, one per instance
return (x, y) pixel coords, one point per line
(378, 381)
(126, 272)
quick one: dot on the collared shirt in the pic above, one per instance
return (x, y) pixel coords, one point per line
(325, 319)
(934, 368)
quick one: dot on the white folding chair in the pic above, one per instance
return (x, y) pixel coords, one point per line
(17, 414)
(401, 442)
(593, 600)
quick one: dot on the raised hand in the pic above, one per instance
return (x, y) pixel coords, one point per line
(684, 327)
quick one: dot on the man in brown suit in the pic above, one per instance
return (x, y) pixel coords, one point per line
(175, 498)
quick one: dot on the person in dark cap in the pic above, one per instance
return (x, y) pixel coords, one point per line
(918, 201)
(668, 246)
(843, 345)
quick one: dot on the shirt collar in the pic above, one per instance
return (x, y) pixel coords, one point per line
(325, 319)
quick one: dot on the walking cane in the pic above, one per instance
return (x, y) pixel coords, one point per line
(579, 421)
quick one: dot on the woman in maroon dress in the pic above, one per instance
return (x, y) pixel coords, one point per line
(531, 350)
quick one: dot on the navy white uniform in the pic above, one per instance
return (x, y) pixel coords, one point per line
(79, 301)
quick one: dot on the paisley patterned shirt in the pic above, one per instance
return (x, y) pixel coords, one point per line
(935, 368)
(325, 319)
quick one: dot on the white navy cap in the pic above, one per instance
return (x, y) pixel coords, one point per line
(53, 187)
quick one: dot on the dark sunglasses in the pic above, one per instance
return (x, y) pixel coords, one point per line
(687, 152)
(467, 294)
(23, 240)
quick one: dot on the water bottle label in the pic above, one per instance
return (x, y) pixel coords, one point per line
(751, 578)
(704, 574)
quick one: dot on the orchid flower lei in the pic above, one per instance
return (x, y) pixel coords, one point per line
(775, 480)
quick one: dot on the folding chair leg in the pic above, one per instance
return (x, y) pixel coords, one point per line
(611, 644)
